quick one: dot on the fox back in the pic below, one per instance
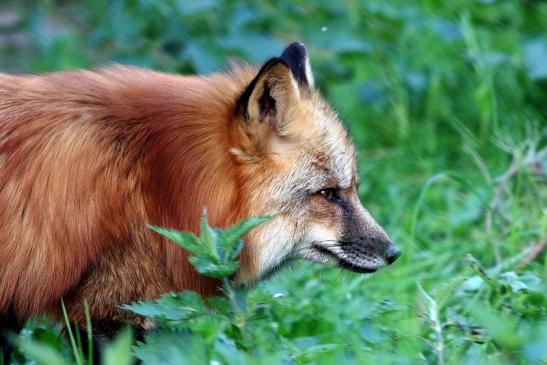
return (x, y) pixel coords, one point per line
(88, 158)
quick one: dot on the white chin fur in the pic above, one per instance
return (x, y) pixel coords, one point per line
(273, 243)
(318, 236)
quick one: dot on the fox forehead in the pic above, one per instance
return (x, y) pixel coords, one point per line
(335, 153)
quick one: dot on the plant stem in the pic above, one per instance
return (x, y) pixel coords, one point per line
(439, 343)
(89, 330)
(75, 350)
(238, 313)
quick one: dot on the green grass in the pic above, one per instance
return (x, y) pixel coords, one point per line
(447, 104)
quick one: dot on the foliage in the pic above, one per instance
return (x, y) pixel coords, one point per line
(215, 252)
(446, 103)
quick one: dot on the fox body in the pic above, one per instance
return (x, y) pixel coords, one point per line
(88, 158)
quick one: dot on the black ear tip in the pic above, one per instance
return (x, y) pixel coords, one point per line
(296, 56)
(295, 49)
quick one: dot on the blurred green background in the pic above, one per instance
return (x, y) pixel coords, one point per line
(447, 104)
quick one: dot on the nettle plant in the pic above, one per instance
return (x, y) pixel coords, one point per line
(197, 330)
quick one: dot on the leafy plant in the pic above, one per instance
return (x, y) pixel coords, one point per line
(215, 251)
(214, 254)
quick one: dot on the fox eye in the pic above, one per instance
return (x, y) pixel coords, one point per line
(331, 194)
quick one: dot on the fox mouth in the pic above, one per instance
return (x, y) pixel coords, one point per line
(343, 262)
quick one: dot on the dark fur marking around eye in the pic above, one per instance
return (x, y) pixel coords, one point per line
(345, 206)
(334, 196)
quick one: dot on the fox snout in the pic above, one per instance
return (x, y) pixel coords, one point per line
(366, 246)
(368, 255)
(351, 238)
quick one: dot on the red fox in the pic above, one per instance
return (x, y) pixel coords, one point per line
(88, 158)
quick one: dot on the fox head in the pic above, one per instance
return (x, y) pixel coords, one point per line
(298, 164)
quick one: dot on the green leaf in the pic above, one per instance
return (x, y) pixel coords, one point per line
(119, 351)
(209, 237)
(186, 240)
(258, 301)
(232, 235)
(172, 347)
(212, 269)
(171, 307)
(502, 328)
(221, 305)
(476, 265)
(47, 337)
(41, 353)
(226, 349)
(535, 54)
(236, 249)
(428, 306)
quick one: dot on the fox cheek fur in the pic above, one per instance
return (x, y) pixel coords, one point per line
(87, 158)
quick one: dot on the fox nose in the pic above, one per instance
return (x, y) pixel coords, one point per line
(392, 254)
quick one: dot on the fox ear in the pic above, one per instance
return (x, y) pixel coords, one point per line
(266, 101)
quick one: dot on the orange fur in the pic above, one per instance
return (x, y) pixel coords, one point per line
(86, 160)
